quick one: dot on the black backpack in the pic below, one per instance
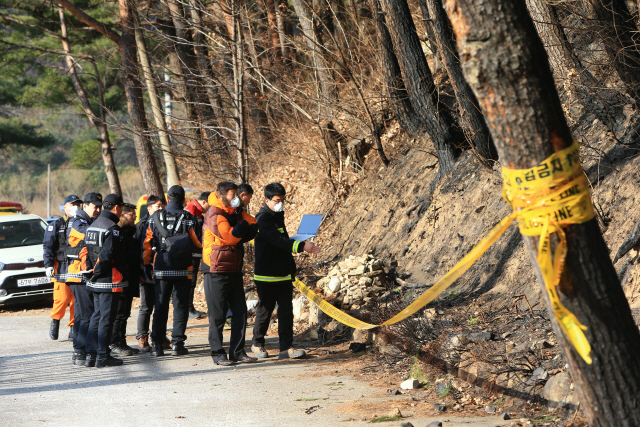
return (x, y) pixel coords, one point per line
(174, 239)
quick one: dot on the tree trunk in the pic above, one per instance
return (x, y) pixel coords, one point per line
(98, 122)
(321, 67)
(471, 118)
(135, 102)
(565, 65)
(504, 62)
(418, 80)
(616, 27)
(173, 177)
(394, 84)
(238, 80)
(283, 29)
(272, 21)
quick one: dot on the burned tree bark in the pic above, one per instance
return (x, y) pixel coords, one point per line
(471, 118)
(502, 60)
(418, 80)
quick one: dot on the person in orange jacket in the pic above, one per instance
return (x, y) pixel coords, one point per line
(54, 246)
(225, 229)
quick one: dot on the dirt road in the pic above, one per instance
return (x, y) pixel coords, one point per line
(40, 387)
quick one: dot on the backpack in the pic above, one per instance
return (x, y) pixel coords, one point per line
(174, 239)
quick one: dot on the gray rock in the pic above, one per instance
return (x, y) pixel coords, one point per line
(490, 409)
(406, 425)
(480, 336)
(558, 391)
(505, 416)
(440, 387)
(538, 375)
(440, 407)
(410, 384)
(393, 392)
(435, 424)
(298, 307)
(459, 340)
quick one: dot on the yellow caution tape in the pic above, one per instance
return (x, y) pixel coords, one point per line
(545, 199)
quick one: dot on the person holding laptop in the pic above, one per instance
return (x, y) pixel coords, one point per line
(274, 273)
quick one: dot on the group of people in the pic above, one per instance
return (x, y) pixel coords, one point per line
(100, 259)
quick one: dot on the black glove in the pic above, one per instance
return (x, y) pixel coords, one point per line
(240, 229)
(148, 273)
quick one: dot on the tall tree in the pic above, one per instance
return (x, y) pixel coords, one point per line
(504, 62)
(97, 120)
(471, 118)
(418, 80)
(135, 102)
(327, 86)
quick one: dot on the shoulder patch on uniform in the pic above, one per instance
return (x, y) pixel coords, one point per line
(116, 233)
(50, 228)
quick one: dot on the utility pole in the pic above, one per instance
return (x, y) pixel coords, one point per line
(48, 190)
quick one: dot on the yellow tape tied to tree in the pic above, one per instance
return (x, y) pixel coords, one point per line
(545, 199)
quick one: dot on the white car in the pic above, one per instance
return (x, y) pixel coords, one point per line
(22, 272)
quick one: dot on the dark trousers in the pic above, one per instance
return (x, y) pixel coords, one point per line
(147, 302)
(83, 312)
(270, 294)
(105, 308)
(194, 280)
(119, 334)
(222, 291)
(165, 289)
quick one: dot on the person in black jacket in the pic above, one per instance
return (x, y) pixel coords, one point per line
(147, 288)
(172, 232)
(132, 272)
(274, 272)
(106, 260)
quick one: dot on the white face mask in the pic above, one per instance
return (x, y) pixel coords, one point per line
(278, 207)
(73, 211)
(235, 203)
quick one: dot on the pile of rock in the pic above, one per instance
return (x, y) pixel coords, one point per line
(350, 285)
(354, 281)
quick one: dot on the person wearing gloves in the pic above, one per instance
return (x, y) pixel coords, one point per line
(171, 234)
(198, 208)
(147, 288)
(107, 264)
(274, 273)
(54, 245)
(225, 229)
(76, 254)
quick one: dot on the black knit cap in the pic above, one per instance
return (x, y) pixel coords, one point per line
(176, 192)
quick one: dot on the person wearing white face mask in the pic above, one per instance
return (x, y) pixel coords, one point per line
(54, 245)
(224, 231)
(275, 270)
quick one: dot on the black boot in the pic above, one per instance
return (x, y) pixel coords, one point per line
(179, 349)
(78, 358)
(54, 329)
(157, 351)
(108, 360)
(90, 361)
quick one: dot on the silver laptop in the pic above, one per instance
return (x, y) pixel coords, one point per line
(309, 226)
